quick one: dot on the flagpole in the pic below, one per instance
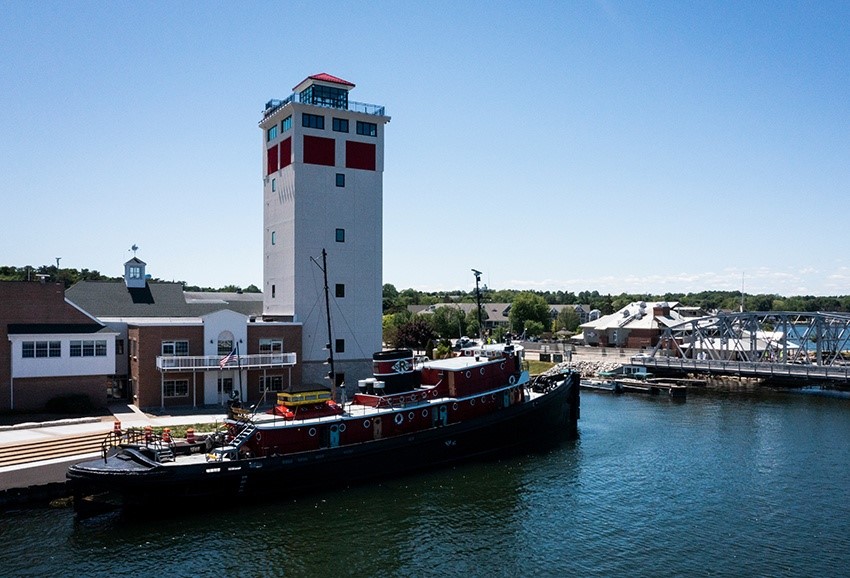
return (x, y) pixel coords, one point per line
(239, 370)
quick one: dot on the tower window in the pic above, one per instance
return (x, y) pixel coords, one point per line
(367, 128)
(313, 121)
(340, 346)
(274, 237)
(272, 291)
(272, 133)
(340, 290)
(274, 185)
(321, 95)
(135, 272)
(340, 235)
(286, 124)
(340, 124)
(340, 180)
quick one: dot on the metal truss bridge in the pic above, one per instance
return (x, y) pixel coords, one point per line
(765, 344)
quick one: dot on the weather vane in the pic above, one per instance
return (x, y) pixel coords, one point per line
(134, 248)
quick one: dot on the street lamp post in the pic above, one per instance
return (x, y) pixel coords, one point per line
(478, 303)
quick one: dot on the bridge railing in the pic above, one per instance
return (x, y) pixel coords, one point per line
(762, 369)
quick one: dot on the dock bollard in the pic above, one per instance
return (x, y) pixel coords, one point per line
(190, 435)
(166, 435)
(116, 427)
(148, 434)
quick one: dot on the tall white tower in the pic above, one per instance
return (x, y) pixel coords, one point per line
(323, 163)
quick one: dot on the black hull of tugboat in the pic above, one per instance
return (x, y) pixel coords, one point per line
(542, 422)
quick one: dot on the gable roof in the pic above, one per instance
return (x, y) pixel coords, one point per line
(324, 77)
(105, 299)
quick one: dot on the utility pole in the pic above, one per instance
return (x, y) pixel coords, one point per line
(478, 303)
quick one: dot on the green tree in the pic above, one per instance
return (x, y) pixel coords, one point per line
(527, 307)
(390, 298)
(390, 324)
(416, 333)
(567, 319)
(449, 322)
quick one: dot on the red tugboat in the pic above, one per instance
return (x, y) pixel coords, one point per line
(415, 413)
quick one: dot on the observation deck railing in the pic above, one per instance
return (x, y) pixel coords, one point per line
(366, 108)
(217, 362)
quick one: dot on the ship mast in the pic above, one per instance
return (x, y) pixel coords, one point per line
(332, 372)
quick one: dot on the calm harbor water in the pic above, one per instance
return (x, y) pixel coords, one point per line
(721, 485)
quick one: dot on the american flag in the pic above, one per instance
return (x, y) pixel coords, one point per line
(226, 359)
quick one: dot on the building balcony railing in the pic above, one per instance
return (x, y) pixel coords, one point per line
(365, 108)
(217, 362)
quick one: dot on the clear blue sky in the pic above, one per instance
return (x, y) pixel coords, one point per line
(574, 145)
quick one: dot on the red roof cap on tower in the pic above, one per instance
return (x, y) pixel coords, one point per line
(324, 77)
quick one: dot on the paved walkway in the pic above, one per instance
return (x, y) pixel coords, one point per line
(53, 471)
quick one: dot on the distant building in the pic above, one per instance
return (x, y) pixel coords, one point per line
(636, 325)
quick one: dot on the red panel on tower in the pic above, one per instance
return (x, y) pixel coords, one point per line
(319, 150)
(286, 152)
(359, 155)
(271, 160)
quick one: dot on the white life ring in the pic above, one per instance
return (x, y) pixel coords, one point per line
(399, 418)
(512, 380)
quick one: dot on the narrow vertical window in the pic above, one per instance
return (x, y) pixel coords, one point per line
(340, 290)
(340, 346)
(340, 180)
(340, 235)
(274, 237)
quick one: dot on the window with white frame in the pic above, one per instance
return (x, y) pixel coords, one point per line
(176, 348)
(176, 388)
(225, 385)
(88, 348)
(271, 383)
(31, 349)
(269, 346)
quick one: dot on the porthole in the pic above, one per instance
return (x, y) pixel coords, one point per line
(312, 431)
(411, 415)
(366, 424)
(472, 401)
(424, 413)
(454, 405)
(341, 427)
(481, 371)
(468, 374)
